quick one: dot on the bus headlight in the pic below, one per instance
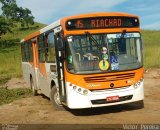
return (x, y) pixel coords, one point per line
(136, 85)
(74, 87)
(85, 92)
(80, 90)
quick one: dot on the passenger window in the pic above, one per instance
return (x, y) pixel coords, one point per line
(51, 56)
(41, 48)
(30, 51)
(27, 54)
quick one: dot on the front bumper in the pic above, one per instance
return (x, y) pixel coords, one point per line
(128, 94)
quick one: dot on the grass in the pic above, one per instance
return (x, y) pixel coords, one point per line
(10, 65)
(9, 95)
(151, 41)
(10, 52)
(19, 33)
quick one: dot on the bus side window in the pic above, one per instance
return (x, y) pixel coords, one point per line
(30, 51)
(23, 52)
(27, 52)
(41, 48)
(51, 56)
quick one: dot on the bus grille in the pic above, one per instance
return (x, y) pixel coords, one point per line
(104, 101)
(107, 78)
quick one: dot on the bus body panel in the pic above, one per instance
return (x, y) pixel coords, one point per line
(45, 81)
(28, 73)
(89, 81)
(77, 100)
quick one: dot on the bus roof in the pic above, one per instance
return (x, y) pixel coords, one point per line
(63, 20)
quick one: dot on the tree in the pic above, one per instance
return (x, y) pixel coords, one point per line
(9, 8)
(25, 17)
(4, 26)
(11, 12)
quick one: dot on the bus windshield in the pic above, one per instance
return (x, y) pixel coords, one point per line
(95, 53)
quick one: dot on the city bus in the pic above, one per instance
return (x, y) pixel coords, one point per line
(86, 61)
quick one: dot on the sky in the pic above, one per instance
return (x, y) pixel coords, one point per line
(47, 11)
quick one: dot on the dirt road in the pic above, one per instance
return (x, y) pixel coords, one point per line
(38, 110)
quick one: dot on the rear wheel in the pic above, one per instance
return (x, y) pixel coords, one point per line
(34, 91)
(55, 99)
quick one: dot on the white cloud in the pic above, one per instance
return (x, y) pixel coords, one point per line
(49, 10)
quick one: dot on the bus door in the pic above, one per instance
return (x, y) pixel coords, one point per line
(59, 46)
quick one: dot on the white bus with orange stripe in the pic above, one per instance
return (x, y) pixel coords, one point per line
(88, 60)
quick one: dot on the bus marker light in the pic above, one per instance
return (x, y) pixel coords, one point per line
(136, 20)
(130, 81)
(70, 84)
(69, 22)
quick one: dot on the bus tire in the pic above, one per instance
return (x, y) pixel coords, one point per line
(137, 105)
(55, 100)
(34, 91)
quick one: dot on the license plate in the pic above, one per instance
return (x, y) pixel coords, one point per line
(112, 98)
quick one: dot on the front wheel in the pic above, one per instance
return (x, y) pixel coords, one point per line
(136, 105)
(55, 99)
(139, 104)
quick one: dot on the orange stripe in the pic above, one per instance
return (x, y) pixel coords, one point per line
(35, 56)
(101, 31)
(32, 35)
(42, 69)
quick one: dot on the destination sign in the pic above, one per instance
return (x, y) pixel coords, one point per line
(102, 23)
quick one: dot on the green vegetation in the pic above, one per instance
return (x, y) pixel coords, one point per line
(13, 14)
(8, 96)
(10, 63)
(10, 52)
(151, 41)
